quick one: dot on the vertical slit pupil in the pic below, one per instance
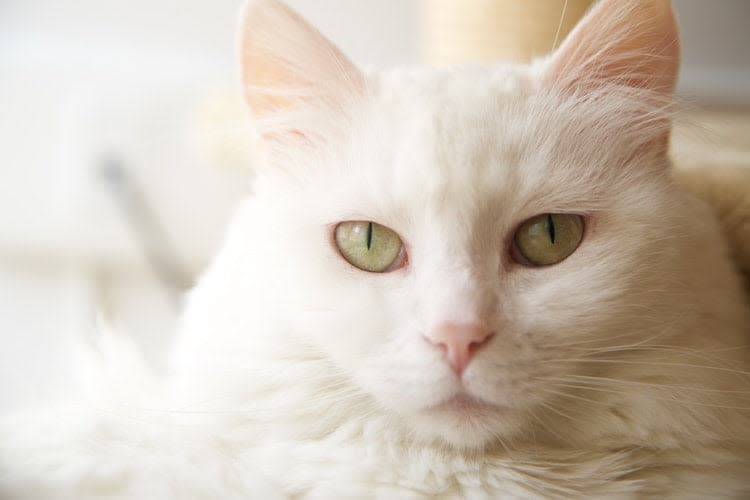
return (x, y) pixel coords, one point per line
(550, 229)
(369, 235)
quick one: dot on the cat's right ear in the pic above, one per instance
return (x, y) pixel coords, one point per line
(293, 77)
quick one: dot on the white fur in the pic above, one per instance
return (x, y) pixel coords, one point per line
(619, 372)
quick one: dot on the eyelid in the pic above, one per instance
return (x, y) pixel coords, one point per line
(401, 261)
(515, 254)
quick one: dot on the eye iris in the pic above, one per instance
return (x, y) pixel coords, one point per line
(549, 238)
(367, 245)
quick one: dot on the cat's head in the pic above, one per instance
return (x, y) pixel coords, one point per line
(455, 242)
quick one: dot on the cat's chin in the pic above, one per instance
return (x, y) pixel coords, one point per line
(465, 422)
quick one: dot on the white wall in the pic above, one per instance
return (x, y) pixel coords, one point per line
(716, 50)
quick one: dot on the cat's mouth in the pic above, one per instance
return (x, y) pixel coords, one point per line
(465, 403)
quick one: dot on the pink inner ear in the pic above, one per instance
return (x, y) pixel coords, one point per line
(627, 43)
(287, 63)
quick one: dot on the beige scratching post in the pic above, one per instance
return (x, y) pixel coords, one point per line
(486, 31)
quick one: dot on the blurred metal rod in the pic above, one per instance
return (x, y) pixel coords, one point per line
(150, 235)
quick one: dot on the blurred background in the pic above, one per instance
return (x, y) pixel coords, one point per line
(123, 148)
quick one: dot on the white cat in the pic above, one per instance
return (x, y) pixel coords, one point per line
(473, 282)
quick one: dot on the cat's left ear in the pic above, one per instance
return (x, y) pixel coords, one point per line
(625, 54)
(291, 72)
(634, 43)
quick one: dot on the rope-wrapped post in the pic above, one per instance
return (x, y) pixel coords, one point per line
(486, 31)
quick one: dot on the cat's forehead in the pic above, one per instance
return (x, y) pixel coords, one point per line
(452, 135)
(470, 144)
(463, 82)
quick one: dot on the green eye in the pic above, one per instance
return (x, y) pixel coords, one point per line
(367, 245)
(548, 238)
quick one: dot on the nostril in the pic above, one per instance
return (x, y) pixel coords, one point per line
(478, 344)
(440, 345)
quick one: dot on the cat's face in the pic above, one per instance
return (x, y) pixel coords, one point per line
(455, 184)
(453, 163)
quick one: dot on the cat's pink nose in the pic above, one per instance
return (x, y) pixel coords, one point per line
(460, 342)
